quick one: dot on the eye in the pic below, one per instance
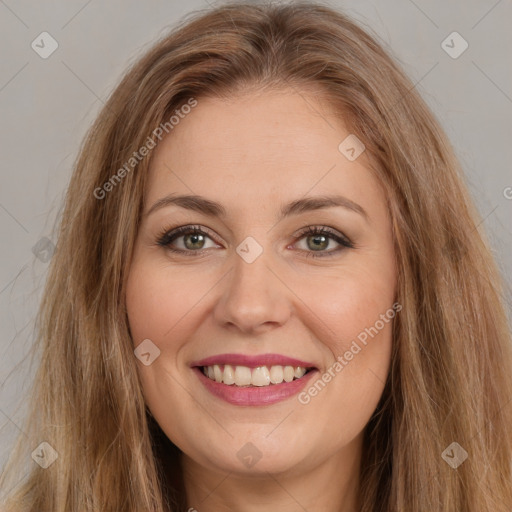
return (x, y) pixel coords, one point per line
(318, 238)
(190, 239)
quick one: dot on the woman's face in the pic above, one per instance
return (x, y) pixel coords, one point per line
(252, 289)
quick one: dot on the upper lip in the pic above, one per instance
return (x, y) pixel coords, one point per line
(252, 361)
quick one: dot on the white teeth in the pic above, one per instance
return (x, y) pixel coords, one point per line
(229, 375)
(258, 377)
(242, 376)
(217, 373)
(276, 374)
(299, 372)
(289, 373)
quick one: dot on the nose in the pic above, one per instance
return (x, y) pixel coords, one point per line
(254, 299)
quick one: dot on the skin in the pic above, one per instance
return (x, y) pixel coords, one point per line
(253, 154)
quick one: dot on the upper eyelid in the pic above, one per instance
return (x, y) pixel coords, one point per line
(181, 231)
(208, 231)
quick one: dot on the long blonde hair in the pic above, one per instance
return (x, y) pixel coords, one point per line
(451, 373)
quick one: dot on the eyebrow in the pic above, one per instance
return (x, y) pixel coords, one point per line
(213, 209)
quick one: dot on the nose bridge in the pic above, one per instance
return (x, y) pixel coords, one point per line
(252, 296)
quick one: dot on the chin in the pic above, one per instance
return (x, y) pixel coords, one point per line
(257, 456)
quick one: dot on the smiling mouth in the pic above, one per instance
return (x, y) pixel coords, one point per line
(260, 376)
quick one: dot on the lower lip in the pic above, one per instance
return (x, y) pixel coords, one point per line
(264, 395)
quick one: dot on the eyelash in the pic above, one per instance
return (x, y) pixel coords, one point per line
(167, 236)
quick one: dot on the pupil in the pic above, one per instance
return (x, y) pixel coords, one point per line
(319, 237)
(196, 238)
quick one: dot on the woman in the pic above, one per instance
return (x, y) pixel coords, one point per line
(269, 290)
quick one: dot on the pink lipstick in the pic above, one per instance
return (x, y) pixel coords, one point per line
(253, 380)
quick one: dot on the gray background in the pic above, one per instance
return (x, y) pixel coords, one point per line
(47, 104)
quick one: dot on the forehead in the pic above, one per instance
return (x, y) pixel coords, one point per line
(257, 145)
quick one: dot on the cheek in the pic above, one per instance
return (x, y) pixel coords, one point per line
(349, 301)
(354, 312)
(158, 300)
(362, 347)
(160, 304)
